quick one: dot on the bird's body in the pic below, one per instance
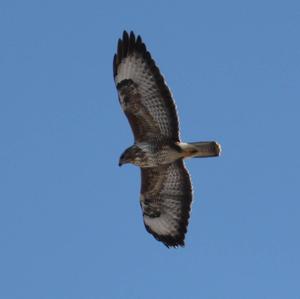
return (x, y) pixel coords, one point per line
(166, 191)
(157, 152)
(152, 153)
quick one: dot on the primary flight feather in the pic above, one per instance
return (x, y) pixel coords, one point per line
(166, 191)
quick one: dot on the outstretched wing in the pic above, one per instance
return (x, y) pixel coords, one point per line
(143, 93)
(166, 197)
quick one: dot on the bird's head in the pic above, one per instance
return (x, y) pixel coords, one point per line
(132, 155)
(126, 157)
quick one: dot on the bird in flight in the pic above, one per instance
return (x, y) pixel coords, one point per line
(166, 189)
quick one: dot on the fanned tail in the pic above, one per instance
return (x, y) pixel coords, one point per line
(203, 149)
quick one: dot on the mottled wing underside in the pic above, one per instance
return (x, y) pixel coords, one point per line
(166, 197)
(143, 93)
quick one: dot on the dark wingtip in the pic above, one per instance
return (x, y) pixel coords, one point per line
(132, 36)
(173, 242)
(138, 39)
(119, 51)
(125, 35)
(169, 241)
(125, 46)
(115, 65)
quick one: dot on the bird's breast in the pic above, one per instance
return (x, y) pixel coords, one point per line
(156, 154)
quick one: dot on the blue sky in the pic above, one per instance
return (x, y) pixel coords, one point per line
(70, 220)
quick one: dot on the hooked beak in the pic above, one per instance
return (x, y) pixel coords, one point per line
(121, 162)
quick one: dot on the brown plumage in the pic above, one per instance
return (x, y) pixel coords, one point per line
(166, 191)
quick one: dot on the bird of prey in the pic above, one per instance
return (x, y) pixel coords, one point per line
(166, 190)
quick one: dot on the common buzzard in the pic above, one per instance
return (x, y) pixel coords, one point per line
(166, 191)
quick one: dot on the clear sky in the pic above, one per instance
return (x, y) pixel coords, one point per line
(70, 220)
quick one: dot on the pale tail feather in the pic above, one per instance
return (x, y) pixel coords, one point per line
(201, 149)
